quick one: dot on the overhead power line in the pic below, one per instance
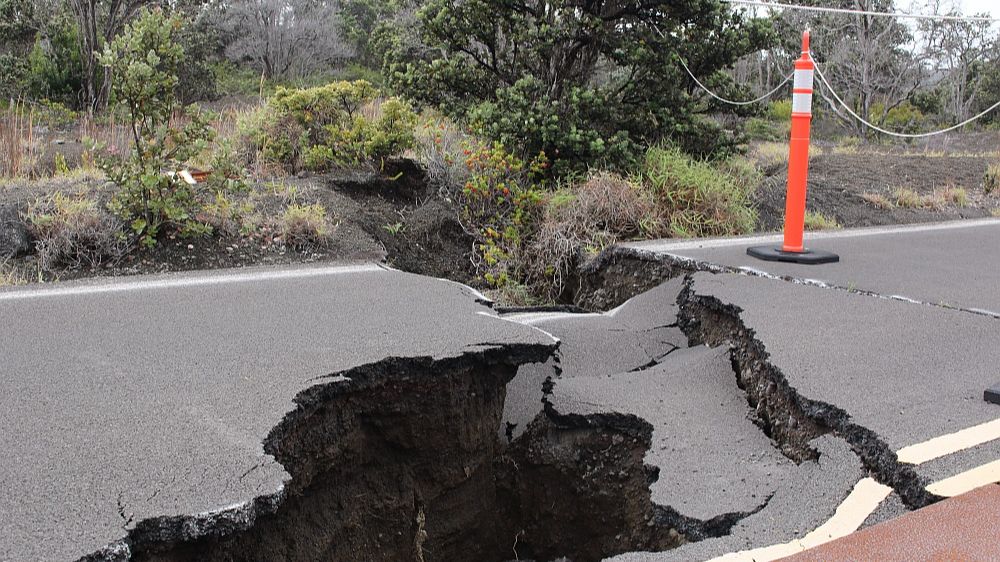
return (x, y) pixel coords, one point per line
(779, 5)
(829, 88)
(731, 102)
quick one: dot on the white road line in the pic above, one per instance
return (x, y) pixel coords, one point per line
(186, 281)
(670, 245)
(851, 513)
(967, 481)
(535, 317)
(868, 494)
(951, 443)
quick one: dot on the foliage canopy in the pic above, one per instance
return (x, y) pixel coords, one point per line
(587, 82)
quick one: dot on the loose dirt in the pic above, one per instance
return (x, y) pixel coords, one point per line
(837, 182)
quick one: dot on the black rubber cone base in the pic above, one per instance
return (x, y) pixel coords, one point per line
(992, 395)
(808, 257)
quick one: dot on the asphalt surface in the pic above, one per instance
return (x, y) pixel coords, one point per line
(807, 497)
(702, 435)
(133, 399)
(908, 372)
(712, 459)
(953, 264)
(639, 332)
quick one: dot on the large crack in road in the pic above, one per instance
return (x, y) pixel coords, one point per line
(682, 424)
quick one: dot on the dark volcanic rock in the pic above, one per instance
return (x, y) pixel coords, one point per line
(15, 238)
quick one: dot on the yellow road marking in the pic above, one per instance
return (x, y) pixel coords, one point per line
(951, 443)
(962, 482)
(868, 494)
(851, 513)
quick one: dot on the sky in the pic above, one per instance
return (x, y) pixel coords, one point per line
(976, 6)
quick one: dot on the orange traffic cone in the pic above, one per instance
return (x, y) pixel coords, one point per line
(798, 172)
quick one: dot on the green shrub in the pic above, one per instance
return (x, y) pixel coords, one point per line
(227, 215)
(499, 206)
(759, 129)
(338, 125)
(231, 79)
(589, 84)
(904, 118)
(144, 60)
(695, 198)
(55, 70)
(13, 75)
(780, 111)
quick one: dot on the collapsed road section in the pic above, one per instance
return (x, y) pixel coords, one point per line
(359, 413)
(880, 373)
(142, 415)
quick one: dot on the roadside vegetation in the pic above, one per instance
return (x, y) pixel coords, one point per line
(133, 137)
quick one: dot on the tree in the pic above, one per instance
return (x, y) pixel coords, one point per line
(868, 59)
(959, 52)
(358, 19)
(285, 38)
(588, 82)
(100, 21)
(144, 60)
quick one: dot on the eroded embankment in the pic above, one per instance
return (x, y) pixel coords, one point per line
(401, 460)
(788, 417)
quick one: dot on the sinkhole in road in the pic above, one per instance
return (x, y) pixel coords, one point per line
(401, 460)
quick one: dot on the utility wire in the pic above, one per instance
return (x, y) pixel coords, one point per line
(731, 102)
(769, 4)
(874, 127)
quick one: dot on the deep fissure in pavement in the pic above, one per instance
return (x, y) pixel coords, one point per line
(401, 460)
(788, 417)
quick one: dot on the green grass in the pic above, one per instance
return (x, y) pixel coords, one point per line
(696, 198)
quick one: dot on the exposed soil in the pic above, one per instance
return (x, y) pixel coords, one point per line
(401, 460)
(837, 182)
(386, 215)
(791, 419)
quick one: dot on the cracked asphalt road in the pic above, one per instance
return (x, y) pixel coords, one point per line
(953, 264)
(635, 335)
(908, 372)
(131, 399)
(712, 459)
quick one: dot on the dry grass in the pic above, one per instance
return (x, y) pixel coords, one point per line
(991, 179)
(814, 220)
(907, 198)
(441, 147)
(9, 276)
(19, 150)
(74, 231)
(877, 200)
(941, 197)
(952, 195)
(770, 156)
(588, 217)
(996, 212)
(306, 227)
